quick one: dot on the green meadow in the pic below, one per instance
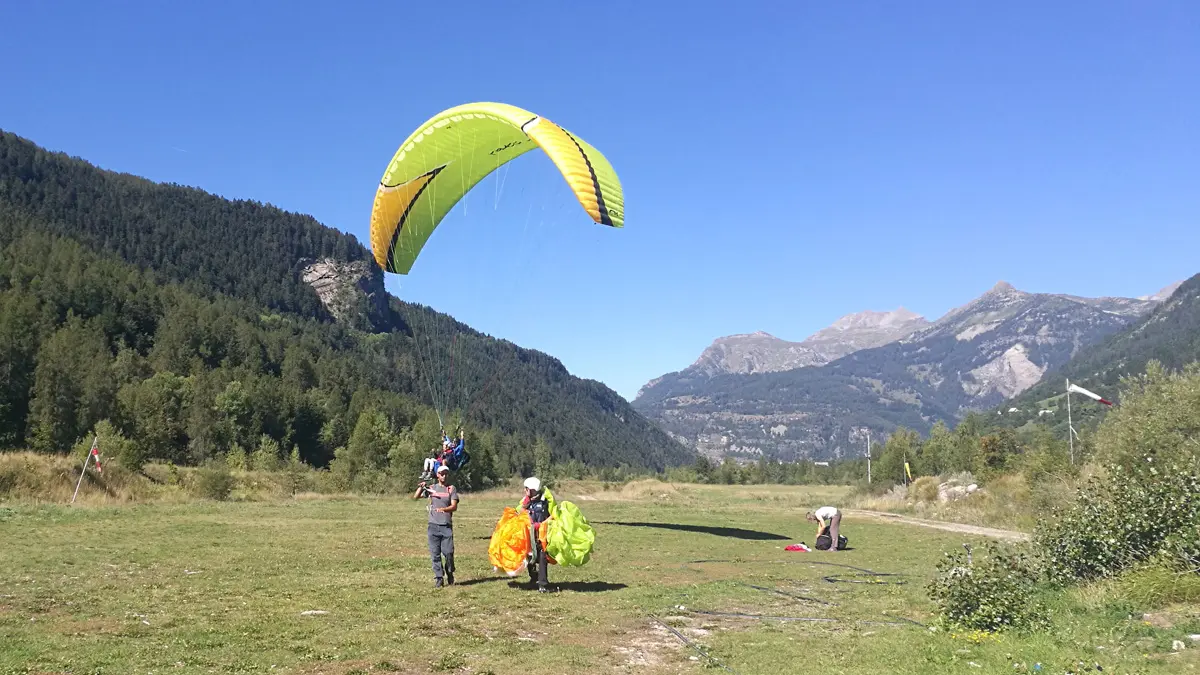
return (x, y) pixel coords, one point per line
(318, 584)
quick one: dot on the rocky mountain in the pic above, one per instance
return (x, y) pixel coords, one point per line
(972, 358)
(764, 353)
(1170, 334)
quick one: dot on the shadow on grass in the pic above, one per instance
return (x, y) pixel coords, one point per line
(573, 586)
(480, 580)
(732, 532)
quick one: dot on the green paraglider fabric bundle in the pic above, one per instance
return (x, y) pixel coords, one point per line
(569, 536)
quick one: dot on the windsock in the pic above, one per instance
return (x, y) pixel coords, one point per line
(1090, 394)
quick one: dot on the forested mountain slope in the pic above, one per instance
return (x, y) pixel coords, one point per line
(242, 248)
(135, 291)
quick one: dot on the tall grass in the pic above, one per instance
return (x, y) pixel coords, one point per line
(39, 478)
(1009, 501)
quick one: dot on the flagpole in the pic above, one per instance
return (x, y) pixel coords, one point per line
(84, 471)
(1070, 425)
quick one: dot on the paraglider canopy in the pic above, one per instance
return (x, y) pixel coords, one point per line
(455, 149)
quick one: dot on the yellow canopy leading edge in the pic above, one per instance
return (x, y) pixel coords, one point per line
(454, 150)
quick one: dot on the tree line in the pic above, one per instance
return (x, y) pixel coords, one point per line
(86, 339)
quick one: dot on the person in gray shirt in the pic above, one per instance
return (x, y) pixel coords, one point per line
(443, 502)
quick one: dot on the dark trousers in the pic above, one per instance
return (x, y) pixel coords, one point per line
(539, 561)
(441, 544)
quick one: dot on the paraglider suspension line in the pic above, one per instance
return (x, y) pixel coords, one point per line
(858, 572)
(699, 650)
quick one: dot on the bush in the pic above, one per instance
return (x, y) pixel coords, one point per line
(1157, 423)
(266, 456)
(1142, 507)
(1119, 520)
(924, 489)
(993, 594)
(235, 459)
(214, 481)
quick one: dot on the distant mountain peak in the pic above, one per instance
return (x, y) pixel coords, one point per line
(1166, 292)
(871, 319)
(756, 334)
(762, 352)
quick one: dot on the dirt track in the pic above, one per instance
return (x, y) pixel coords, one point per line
(1008, 535)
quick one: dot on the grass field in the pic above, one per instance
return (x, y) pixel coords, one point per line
(214, 587)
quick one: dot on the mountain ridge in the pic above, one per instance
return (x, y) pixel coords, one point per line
(972, 357)
(760, 351)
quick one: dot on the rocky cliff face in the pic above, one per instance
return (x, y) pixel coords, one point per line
(353, 292)
(974, 357)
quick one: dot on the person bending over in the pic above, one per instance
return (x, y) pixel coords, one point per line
(829, 522)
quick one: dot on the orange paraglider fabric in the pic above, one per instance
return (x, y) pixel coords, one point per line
(542, 530)
(509, 548)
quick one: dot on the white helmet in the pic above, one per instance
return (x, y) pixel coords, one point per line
(533, 483)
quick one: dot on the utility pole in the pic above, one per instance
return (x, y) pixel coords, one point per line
(868, 456)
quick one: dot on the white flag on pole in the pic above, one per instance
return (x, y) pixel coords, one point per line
(1090, 394)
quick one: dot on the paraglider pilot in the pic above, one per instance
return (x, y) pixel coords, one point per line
(443, 502)
(448, 455)
(537, 502)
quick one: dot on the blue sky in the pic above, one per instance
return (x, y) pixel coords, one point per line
(783, 163)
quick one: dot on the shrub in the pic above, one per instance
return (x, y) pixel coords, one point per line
(295, 476)
(1157, 423)
(235, 459)
(994, 593)
(266, 456)
(214, 481)
(1119, 520)
(1143, 505)
(924, 489)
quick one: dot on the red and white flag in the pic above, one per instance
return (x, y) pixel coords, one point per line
(96, 456)
(1090, 394)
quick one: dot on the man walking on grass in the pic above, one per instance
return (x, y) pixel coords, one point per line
(443, 502)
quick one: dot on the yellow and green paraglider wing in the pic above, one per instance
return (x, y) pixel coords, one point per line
(450, 153)
(569, 537)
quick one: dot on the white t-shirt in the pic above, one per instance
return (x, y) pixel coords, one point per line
(826, 512)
